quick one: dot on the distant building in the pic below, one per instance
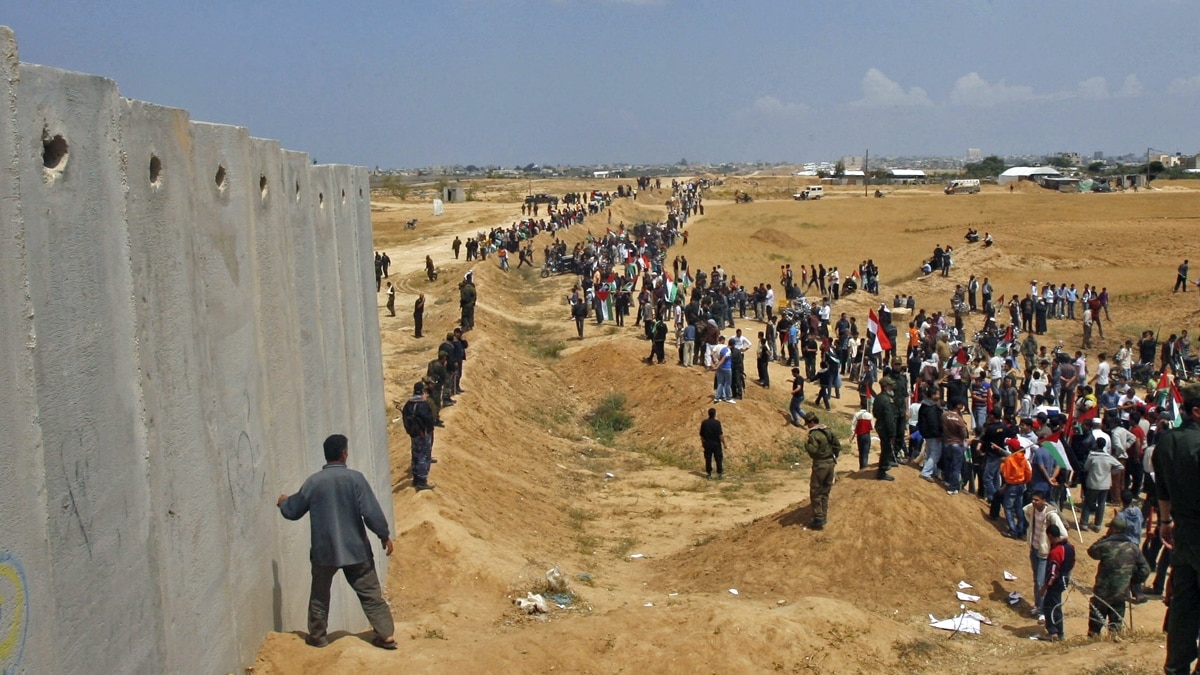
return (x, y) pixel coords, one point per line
(974, 154)
(853, 177)
(906, 176)
(454, 194)
(852, 162)
(1098, 156)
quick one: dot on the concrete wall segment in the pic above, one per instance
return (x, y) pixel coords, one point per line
(27, 620)
(181, 343)
(187, 523)
(85, 370)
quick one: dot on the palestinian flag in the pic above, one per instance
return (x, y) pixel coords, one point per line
(1169, 400)
(1083, 418)
(1056, 450)
(961, 356)
(671, 289)
(604, 304)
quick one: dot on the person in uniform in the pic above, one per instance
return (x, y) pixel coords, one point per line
(823, 448)
(884, 410)
(418, 314)
(418, 424)
(1176, 463)
(466, 301)
(1121, 565)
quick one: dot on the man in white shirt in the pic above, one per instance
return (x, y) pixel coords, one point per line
(996, 370)
(1102, 374)
(1124, 359)
(1129, 399)
(770, 301)
(740, 342)
(1081, 366)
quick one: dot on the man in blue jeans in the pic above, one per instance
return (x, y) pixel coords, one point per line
(929, 423)
(723, 364)
(992, 445)
(794, 408)
(1016, 473)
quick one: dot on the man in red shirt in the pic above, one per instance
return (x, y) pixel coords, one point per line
(1059, 565)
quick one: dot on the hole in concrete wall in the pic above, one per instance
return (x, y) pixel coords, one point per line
(220, 178)
(297, 190)
(360, 193)
(54, 151)
(155, 169)
(343, 196)
(321, 199)
(262, 185)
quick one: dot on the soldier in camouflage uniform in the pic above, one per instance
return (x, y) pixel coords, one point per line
(823, 448)
(1121, 564)
(1176, 474)
(884, 410)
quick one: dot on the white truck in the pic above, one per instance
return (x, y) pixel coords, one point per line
(962, 186)
(810, 192)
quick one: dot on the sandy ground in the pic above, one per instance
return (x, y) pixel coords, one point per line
(522, 486)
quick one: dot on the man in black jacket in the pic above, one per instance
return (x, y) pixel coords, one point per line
(929, 423)
(418, 424)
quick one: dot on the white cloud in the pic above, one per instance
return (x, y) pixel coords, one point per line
(973, 90)
(773, 107)
(1093, 88)
(1131, 88)
(881, 92)
(1184, 86)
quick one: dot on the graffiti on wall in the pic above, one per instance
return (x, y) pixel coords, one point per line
(14, 613)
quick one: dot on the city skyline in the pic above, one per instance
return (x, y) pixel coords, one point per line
(506, 82)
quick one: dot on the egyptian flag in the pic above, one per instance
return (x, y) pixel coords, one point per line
(1169, 400)
(882, 343)
(1083, 418)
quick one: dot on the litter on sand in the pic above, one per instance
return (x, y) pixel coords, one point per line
(734, 591)
(1014, 598)
(648, 604)
(1009, 576)
(963, 623)
(635, 556)
(962, 586)
(967, 597)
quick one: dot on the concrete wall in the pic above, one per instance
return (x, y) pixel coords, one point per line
(185, 313)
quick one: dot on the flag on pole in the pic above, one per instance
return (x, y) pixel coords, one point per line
(604, 303)
(961, 356)
(882, 343)
(1169, 400)
(1059, 454)
(671, 289)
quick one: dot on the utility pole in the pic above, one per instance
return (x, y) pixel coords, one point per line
(866, 172)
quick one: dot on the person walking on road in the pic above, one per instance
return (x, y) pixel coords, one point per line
(391, 299)
(341, 507)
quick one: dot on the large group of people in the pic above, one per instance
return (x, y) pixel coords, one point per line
(1037, 432)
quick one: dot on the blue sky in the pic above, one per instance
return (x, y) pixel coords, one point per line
(508, 82)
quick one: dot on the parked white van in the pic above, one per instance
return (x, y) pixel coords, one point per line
(812, 192)
(962, 186)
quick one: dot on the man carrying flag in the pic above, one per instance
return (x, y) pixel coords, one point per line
(1169, 400)
(882, 343)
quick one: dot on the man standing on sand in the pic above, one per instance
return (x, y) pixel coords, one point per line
(1181, 278)
(1121, 566)
(418, 314)
(1176, 462)
(884, 410)
(1060, 562)
(391, 299)
(455, 246)
(823, 448)
(712, 440)
(1041, 515)
(418, 424)
(340, 502)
